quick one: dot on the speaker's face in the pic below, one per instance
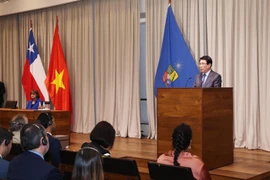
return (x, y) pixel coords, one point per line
(33, 96)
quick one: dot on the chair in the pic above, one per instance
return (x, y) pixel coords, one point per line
(162, 172)
(67, 163)
(15, 150)
(120, 169)
(11, 104)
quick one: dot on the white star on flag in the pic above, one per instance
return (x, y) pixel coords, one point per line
(31, 47)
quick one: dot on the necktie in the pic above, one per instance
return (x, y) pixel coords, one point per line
(203, 79)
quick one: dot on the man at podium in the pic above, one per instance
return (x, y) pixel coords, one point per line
(207, 78)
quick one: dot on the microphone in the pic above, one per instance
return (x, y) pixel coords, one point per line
(188, 81)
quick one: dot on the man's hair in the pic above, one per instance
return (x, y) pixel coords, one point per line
(88, 165)
(103, 134)
(18, 122)
(45, 119)
(5, 134)
(208, 59)
(35, 92)
(30, 136)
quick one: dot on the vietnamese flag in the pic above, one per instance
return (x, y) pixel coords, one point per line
(57, 80)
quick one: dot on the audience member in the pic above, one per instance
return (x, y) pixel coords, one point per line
(16, 125)
(102, 138)
(47, 121)
(35, 102)
(88, 165)
(181, 139)
(30, 164)
(5, 146)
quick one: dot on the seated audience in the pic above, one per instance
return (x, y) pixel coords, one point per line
(30, 164)
(35, 102)
(181, 139)
(16, 125)
(48, 122)
(88, 165)
(5, 146)
(102, 138)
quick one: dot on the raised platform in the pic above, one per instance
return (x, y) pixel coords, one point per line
(248, 164)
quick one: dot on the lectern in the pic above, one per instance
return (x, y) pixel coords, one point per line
(209, 112)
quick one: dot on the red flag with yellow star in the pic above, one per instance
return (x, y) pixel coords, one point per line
(57, 80)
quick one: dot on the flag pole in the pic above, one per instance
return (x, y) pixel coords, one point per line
(31, 25)
(170, 1)
(56, 20)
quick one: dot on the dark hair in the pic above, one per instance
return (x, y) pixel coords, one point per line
(30, 136)
(5, 134)
(103, 134)
(18, 122)
(45, 119)
(35, 92)
(88, 165)
(208, 59)
(181, 137)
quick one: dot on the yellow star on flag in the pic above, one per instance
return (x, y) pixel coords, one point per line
(58, 81)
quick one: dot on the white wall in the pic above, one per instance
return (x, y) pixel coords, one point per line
(16, 6)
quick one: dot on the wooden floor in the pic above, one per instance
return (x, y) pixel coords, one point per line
(248, 164)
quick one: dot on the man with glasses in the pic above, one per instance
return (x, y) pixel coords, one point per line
(207, 77)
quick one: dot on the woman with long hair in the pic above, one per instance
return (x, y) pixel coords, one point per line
(88, 165)
(181, 139)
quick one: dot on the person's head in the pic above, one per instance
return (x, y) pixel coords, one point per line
(18, 122)
(5, 141)
(205, 64)
(103, 134)
(181, 138)
(34, 94)
(34, 137)
(88, 165)
(47, 121)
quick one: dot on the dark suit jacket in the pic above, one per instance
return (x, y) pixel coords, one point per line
(3, 168)
(53, 155)
(213, 80)
(29, 166)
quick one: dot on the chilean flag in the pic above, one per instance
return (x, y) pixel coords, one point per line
(33, 73)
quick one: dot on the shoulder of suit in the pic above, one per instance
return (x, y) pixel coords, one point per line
(214, 73)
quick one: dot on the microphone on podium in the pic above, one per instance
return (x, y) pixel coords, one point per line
(188, 81)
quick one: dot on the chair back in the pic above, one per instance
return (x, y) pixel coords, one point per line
(67, 163)
(161, 171)
(120, 168)
(15, 150)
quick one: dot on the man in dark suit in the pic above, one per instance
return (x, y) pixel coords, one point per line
(47, 121)
(207, 78)
(30, 164)
(5, 146)
(2, 92)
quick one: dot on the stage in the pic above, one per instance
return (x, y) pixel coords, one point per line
(248, 164)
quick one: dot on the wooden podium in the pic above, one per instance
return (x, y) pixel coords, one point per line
(209, 112)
